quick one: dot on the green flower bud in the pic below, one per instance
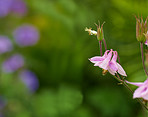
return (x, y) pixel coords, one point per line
(141, 29)
(100, 34)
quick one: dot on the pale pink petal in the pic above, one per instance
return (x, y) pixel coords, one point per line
(105, 54)
(138, 92)
(144, 93)
(134, 83)
(104, 64)
(121, 70)
(106, 61)
(113, 65)
(111, 71)
(146, 82)
(96, 59)
(98, 63)
(115, 56)
(145, 96)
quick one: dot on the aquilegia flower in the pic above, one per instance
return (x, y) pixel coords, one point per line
(142, 91)
(26, 35)
(19, 7)
(13, 63)
(5, 44)
(30, 80)
(106, 63)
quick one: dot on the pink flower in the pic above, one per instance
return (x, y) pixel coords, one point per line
(142, 91)
(105, 62)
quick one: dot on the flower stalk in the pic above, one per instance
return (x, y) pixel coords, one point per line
(100, 44)
(125, 85)
(105, 45)
(142, 57)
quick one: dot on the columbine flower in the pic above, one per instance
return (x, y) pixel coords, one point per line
(19, 7)
(13, 63)
(106, 63)
(26, 35)
(30, 80)
(142, 91)
(91, 32)
(5, 44)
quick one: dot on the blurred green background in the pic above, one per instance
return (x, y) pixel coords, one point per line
(70, 86)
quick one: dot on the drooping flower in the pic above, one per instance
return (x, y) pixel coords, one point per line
(5, 44)
(5, 7)
(19, 7)
(30, 80)
(106, 63)
(142, 91)
(26, 35)
(13, 63)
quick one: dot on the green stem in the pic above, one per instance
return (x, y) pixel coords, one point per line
(124, 84)
(142, 57)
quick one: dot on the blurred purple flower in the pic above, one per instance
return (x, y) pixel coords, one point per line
(26, 35)
(13, 63)
(1, 115)
(5, 44)
(19, 7)
(30, 80)
(5, 7)
(2, 102)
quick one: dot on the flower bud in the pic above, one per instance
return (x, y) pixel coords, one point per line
(100, 34)
(141, 29)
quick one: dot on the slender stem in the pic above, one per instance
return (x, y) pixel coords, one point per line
(100, 44)
(105, 45)
(142, 56)
(124, 84)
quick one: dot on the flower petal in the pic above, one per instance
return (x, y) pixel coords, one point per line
(134, 83)
(146, 82)
(96, 59)
(113, 66)
(121, 70)
(111, 71)
(98, 63)
(144, 93)
(138, 92)
(106, 61)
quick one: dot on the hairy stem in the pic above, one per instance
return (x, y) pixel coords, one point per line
(125, 85)
(105, 45)
(100, 44)
(142, 57)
